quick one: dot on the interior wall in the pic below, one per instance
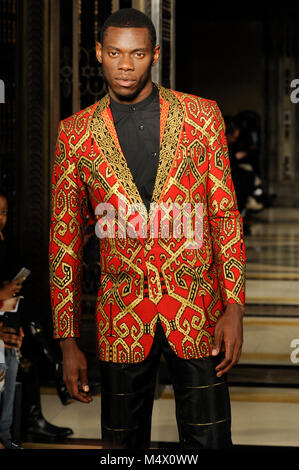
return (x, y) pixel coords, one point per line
(235, 56)
(223, 61)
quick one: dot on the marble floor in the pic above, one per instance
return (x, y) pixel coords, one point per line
(261, 415)
(271, 324)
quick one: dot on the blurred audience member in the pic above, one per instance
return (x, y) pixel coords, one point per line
(34, 425)
(249, 124)
(243, 152)
(10, 338)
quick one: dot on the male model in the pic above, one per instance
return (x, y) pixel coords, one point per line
(170, 283)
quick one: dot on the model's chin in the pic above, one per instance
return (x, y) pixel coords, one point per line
(125, 89)
(126, 93)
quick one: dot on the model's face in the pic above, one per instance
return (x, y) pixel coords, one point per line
(127, 56)
(3, 212)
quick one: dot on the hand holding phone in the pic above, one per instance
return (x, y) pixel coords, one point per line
(10, 289)
(22, 275)
(10, 330)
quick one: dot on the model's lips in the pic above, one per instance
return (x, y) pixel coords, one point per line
(125, 82)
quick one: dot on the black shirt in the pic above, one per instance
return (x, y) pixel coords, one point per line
(138, 131)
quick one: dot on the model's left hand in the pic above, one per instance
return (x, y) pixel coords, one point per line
(229, 337)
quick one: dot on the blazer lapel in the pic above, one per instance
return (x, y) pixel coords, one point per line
(105, 135)
(171, 121)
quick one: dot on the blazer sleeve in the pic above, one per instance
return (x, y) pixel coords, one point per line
(226, 224)
(68, 204)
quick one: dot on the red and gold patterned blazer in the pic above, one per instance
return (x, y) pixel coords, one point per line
(146, 277)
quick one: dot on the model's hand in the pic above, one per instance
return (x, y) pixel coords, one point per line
(229, 337)
(75, 369)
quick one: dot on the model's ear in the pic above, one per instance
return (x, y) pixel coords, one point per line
(156, 55)
(99, 52)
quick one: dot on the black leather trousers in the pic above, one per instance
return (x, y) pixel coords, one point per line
(202, 400)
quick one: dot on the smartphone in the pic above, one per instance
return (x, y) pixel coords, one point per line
(12, 320)
(24, 272)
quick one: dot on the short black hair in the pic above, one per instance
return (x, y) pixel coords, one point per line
(129, 18)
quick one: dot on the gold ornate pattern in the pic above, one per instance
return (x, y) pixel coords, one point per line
(146, 278)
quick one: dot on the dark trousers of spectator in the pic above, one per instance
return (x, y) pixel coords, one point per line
(202, 400)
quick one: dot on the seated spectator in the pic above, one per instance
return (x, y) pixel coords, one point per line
(33, 421)
(12, 343)
(10, 339)
(249, 157)
(242, 171)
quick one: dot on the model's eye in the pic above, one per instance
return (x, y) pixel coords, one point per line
(112, 53)
(140, 54)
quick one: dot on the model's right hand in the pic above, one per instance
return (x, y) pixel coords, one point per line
(75, 370)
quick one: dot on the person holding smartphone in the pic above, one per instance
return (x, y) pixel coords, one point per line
(11, 338)
(33, 421)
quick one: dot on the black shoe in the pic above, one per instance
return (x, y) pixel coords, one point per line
(38, 427)
(12, 445)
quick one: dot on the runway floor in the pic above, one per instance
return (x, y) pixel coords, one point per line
(260, 416)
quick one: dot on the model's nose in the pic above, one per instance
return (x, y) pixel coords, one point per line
(126, 63)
